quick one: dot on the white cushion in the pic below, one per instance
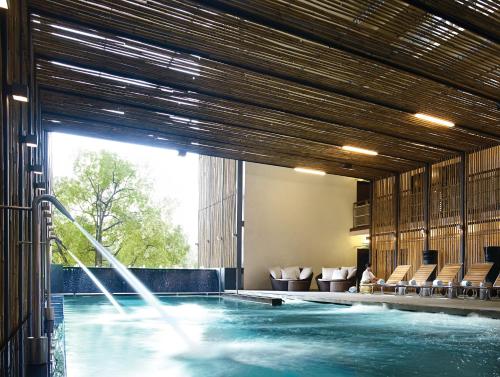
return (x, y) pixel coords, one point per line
(275, 272)
(437, 283)
(339, 275)
(351, 272)
(305, 273)
(327, 273)
(291, 273)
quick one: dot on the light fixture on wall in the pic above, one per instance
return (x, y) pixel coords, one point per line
(347, 166)
(351, 148)
(36, 169)
(19, 92)
(39, 186)
(430, 118)
(31, 140)
(3, 4)
(309, 171)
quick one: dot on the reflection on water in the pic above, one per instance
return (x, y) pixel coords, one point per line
(233, 338)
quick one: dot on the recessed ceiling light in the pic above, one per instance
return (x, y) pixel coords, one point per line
(432, 119)
(309, 171)
(350, 148)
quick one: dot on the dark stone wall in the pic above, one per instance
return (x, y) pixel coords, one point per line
(75, 280)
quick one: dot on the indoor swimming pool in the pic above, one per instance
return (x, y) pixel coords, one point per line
(225, 337)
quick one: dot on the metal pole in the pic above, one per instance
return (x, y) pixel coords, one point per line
(463, 211)
(38, 344)
(221, 229)
(17, 208)
(239, 223)
(426, 183)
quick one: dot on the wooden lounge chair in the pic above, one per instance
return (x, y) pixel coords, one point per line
(495, 287)
(476, 275)
(397, 276)
(448, 275)
(422, 276)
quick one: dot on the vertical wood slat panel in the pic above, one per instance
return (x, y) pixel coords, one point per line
(411, 219)
(445, 220)
(383, 227)
(217, 212)
(483, 203)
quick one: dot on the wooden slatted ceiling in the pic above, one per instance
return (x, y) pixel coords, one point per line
(184, 26)
(62, 111)
(323, 136)
(262, 73)
(211, 77)
(392, 32)
(480, 17)
(85, 127)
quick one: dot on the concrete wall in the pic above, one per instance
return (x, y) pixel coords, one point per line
(295, 219)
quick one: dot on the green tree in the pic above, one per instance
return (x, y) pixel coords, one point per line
(111, 200)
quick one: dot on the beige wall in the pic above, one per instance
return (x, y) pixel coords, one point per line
(295, 219)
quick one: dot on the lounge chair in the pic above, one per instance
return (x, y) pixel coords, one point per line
(300, 284)
(495, 287)
(421, 278)
(475, 279)
(396, 277)
(448, 277)
(337, 284)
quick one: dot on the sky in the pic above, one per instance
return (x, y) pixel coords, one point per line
(171, 176)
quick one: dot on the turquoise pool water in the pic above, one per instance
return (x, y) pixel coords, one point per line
(234, 338)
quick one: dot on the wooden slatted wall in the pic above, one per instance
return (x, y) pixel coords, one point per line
(482, 193)
(383, 227)
(444, 211)
(217, 212)
(483, 203)
(15, 186)
(411, 218)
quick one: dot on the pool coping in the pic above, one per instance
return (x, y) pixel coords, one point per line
(456, 306)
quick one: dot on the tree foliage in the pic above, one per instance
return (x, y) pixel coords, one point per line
(111, 200)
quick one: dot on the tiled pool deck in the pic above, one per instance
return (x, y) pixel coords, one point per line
(457, 306)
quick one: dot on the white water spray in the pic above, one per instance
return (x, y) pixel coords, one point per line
(135, 283)
(98, 283)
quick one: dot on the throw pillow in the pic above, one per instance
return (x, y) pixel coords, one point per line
(275, 272)
(291, 273)
(305, 273)
(327, 273)
(351, 272)
(339, 275)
